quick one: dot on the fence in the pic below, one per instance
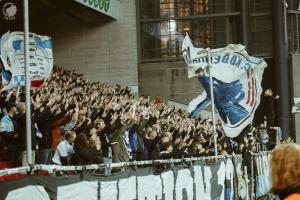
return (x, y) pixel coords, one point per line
(217, 177)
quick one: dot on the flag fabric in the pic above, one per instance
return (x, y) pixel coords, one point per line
(236, 83)
(240, 183)
(198, 104)
(296, 107)
(12, 58)
(263, 182)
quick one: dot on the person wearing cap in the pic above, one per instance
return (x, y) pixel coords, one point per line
(9, 131)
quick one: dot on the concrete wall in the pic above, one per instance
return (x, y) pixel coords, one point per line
(105, 51)
(295, 72)
(169, 80)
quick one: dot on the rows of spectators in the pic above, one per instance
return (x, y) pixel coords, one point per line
(78, 122)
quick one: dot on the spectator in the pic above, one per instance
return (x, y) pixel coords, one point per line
(43, 121)
(285, 171)
(9, 131)
(151, 145)
(268, 105)
(64, 150)
(157, 100)
(95, 148)
(166, 147)
(21, 121)
(84, 152)
(102, 132)
(120, 150)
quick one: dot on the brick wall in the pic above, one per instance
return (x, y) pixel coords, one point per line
(105, 51)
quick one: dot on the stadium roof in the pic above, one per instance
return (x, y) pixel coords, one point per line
(41, 10)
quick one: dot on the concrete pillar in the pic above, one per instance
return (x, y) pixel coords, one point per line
(281, 67)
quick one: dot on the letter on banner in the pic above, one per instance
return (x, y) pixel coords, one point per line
(221, 179)
(78, 191)
(168, 185)
(184, 188)
(127, 188)
(109, 190)
(240, 183)
(202, 182)
(12, 56)
(29, 192)
(229, 192)
(149, 187)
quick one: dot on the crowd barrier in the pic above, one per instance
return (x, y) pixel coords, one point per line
(205, 178)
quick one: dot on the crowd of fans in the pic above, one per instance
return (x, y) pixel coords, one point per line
(76, 122)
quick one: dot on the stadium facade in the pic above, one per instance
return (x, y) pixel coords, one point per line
(138, 42)
(95, 37)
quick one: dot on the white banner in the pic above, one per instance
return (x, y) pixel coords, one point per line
(236, 81)
(263, 181)
(201, 181)
(29, 192)
(296, 107)
(12, 57)
(107, 7)
(206, 182)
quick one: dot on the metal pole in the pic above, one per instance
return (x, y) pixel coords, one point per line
(212, 102)
(281, 66)
(252, 182)
(27, 82)
(244, 22)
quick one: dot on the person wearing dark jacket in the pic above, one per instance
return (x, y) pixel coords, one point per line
(10, 131)
(268, 105)
(103, 131)
(43, 121)
(119, 149)
(151, 146)
(21, 120)
(84, 154)
(167, 151)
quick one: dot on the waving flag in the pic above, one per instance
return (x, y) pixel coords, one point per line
(236, 83)
(12, 57)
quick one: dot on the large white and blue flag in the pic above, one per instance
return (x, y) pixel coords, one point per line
(12, 58)
(236, 83)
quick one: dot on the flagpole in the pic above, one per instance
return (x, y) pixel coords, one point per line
(27, 82)
(212, 102)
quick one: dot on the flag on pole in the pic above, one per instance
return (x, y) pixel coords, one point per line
(12, 58)
(236, 82)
